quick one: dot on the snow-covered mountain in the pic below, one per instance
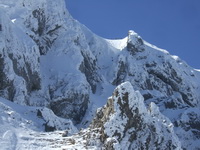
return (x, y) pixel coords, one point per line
(59, 75)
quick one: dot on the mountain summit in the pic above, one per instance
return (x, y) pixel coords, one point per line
(56, 77)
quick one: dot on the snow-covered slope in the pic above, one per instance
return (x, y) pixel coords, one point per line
(21, 127)
(19, 62)
(50, 60)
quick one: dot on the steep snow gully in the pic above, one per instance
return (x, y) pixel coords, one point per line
(63, 87)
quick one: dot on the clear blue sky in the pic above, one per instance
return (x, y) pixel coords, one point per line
(173, 25)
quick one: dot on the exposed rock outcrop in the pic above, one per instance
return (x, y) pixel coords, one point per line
(189, 124)
(53, 123)
(135, 43)
(125, 123)
(44, 21)
(49, 59)
(72, 107)
(89, 68)
(121, 71)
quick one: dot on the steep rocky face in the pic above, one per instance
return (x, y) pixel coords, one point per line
(89, 68)
(49, 59)
(125, 122)
(42, 20)
(121, 71)
(155, 70)
(48, 23)
(134, 43)
(45, 22)
(165, 80)
(19, 63)
(68, 88)
(72, 107)
(188, 124)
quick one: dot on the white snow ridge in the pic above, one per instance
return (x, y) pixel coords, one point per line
(63, 87)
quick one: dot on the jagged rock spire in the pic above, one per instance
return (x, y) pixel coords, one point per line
(125, 122)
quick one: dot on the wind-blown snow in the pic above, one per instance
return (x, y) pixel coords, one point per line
(118, 44)
(197, 69)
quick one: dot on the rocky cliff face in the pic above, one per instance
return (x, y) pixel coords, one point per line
(151, 70)
(49, 59)
(44, 22)
(125, 123)
(19, 63)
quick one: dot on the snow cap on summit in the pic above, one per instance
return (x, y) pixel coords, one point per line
(132, 36)
(131, 32)
(135, 43)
